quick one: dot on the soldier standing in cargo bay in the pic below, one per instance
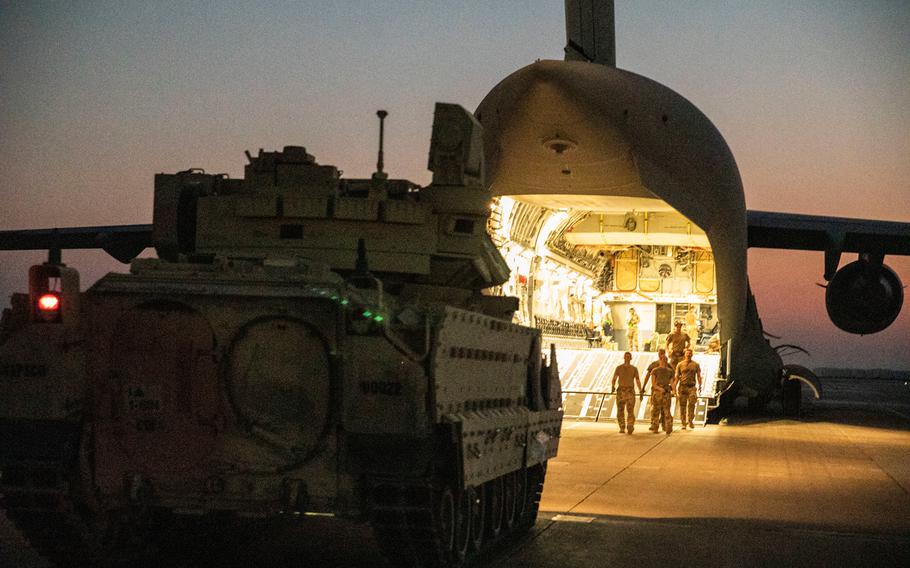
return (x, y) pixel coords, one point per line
(632, 327)
(688, 385)
(627, 373)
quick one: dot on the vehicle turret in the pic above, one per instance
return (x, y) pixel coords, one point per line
(289, 205)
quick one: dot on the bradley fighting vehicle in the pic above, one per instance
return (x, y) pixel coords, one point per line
(302, 344)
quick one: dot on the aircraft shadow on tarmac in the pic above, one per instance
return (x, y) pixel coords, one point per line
(868, 415)
(870, 403)
(619, 541)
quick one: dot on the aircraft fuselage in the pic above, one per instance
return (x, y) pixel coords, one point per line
(562, 130)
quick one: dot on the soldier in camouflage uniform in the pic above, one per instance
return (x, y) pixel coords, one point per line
(627, 374)
(677, 343)
(661, 394)
(661, 356)
(632, 326)
(688, 385)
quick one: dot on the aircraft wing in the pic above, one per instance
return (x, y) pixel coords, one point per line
(123, 242)
(834, 235)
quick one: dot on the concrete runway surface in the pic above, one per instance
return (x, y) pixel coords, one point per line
(824, 491)
(830, 489)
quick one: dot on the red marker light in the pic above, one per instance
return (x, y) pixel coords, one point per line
(49, 303)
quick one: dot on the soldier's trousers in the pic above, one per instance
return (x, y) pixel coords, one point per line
(660, 410)
(625, 407)
(686, 401)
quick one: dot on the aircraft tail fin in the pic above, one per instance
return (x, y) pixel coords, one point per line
(590, 31)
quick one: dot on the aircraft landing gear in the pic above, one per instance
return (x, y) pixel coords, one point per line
(790, 397)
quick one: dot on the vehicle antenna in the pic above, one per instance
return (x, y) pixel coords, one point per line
(379, 162)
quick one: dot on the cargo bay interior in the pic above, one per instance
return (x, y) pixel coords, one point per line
(581, 263)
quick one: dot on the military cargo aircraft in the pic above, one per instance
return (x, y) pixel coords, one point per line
(592, 159)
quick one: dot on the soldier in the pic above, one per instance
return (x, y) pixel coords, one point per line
(688, 384)
(607, 335)
(632, 326)
(661, 393)
(627, 373)
(677, 343)
(661, 356)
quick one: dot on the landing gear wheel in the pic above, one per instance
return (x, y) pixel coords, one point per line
(790, 397)
(494, 507)
(478, 516)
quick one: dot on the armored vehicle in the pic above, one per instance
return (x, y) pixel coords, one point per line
(302, 345)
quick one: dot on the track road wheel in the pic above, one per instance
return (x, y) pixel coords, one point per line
(509, 498)
(420, 524)
(478, 516)
(462, 527)
(535, 478)
(521, 491)
(445, 520)
(494, 507)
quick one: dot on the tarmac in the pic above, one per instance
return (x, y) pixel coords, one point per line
(832, 489)
(829, 489)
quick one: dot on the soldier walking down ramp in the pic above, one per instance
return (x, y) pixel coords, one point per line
(627, 373)
(688, 385)
(661, 356)
(677, 343)
(660, 392)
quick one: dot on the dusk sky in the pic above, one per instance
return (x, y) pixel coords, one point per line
(813, 97)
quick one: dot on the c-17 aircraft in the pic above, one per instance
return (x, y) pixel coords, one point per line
(589, 155)
(611, 175)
